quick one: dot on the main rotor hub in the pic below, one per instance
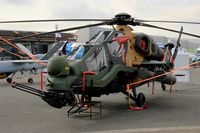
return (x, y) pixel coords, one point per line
(122, 16)
(122, 19)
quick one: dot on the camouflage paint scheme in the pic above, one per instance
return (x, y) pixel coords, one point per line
(65, 76)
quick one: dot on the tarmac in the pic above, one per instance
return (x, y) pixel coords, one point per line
(178, 112)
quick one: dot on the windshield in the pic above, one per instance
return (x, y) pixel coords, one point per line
(100, 37)
(76, 53)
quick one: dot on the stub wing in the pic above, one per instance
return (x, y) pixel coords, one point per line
(149, 63)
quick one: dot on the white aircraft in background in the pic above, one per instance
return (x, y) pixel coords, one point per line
(196, 56)
(8, 68)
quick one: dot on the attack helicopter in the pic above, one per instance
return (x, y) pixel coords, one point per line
(107, 62)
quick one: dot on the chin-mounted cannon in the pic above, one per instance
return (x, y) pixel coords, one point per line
(57, 67)
(54, 99)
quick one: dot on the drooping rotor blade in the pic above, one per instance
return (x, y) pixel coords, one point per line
(167, 29)
(177, 45)
(53, 20)
(166, 21)
(62, 30)
(179, 37)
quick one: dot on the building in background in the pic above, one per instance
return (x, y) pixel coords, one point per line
(84, 35)
(37, 45)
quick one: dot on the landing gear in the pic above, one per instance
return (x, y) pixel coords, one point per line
(30, 80)
(9, 80)
(163, 86)
(140, 100)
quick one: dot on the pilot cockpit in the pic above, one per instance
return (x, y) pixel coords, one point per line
(75, 51)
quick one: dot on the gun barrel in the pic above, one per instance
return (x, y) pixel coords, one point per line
(28, 89)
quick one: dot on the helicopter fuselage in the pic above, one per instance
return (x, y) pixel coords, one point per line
(112, 65)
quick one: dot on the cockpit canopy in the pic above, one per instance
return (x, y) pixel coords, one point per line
(74, 51)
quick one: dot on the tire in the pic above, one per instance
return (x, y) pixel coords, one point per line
(140, 101)
(9, 80)
(30, 80)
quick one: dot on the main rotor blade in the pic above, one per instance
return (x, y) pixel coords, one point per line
(62, 30)
(177, 45)
(165, 21)
(53, 20)
(162, 28)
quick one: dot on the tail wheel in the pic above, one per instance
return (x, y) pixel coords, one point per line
(140, 100)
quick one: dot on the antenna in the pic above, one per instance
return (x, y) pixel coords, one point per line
(57, 35)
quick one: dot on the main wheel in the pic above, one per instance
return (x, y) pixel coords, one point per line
(163, 87)
(140, 100)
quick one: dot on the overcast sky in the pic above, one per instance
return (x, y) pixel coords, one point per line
(182, 10)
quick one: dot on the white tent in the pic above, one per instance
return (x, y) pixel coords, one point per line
(182, 60)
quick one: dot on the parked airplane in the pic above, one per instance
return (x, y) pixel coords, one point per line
(8, 68)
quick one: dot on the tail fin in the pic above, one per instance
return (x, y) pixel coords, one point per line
(23, 48)
(53, 50)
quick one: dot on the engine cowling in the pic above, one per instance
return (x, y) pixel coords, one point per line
(142, 44)
(147, 47)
